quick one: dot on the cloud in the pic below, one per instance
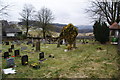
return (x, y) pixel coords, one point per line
(65, 11)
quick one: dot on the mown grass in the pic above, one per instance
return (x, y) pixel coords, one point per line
(84, 62)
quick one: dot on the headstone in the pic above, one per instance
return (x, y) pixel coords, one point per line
(10, 62)
(33, 45)
(6, 55)
(18, 42)
(29, 42)
(12, 46)
(24, 60)
(23, 48)
(9, 50)
(13, 42)
(7, 43)
(41, 55)
(38, 46)
(16, 53)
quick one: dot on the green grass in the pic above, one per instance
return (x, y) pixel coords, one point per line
(84, 62)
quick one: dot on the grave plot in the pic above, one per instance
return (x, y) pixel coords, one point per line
(83, 62)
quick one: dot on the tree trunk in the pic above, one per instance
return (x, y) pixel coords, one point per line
(58, 44)
(74, 44)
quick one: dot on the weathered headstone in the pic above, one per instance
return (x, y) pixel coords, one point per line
(38, 46)
(12, 46)
(17, 53)
(24, 60)
(9, 50)
(23, 48)
(6, 55)
(7, 43)
(41, 55)
(10, 62)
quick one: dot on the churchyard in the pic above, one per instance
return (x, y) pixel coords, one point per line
(89, 60)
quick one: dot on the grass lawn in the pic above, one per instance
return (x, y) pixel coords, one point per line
(84, 62)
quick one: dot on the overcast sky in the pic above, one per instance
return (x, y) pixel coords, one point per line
(64, 11)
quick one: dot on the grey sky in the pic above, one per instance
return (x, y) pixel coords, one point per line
(65, 11)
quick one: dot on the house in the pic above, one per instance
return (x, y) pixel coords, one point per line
(114, 32)
(9, 31)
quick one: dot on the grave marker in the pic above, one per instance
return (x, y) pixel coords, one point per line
(41, 55)
(9, 50)
(23, 48)
(16, 53)
(10, 62)
(6, 55)
(7, 43)
(12, 46)
(24, 60)
(38, 46)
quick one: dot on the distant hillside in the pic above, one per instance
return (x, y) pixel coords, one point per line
(57, 27)
(85, 30)
(85, 27)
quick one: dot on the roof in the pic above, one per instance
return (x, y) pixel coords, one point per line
(115, 26)
(12, 30)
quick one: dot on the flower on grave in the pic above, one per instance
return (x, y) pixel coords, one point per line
(26, 62)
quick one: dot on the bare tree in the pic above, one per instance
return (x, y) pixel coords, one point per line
(44, 17)
(27, 14)
(107, 11)
(3, 9)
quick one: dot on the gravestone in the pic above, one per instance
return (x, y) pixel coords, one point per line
(10, 62)
(33, 45)
(17, 53)
(12, 46)
(9, 50)
(38, 46)
(13, 42)
(6, 55)
(18, 42)
(7, 43)
(24, 60)
(23, 48)
(41, 55)
(29, 42)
